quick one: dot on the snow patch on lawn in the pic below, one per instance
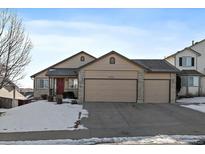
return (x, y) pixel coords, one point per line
(40, 116)
(198, 107)
(159, 139)
(191, 100)
(195, 103)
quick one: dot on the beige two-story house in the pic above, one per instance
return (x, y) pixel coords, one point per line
(191, 62)
(109, 78)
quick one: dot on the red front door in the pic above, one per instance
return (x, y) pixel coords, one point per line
(60, 86)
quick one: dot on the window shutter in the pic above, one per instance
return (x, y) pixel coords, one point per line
(192, 61)
(180, 61)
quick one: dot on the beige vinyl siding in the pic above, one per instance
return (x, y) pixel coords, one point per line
(75, 62)
(202, 84)
(157, 75)
(200, 47)
(156, 91)
(110, 90)
(123, 74)
(120, 64)
(171, 60)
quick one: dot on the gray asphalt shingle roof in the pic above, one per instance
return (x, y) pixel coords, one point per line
(156, 65)
(62, 72)
(191, 72)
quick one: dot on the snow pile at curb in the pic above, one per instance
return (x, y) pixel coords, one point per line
(40, 116)
(159, 139)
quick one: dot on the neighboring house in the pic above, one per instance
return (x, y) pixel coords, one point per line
(9, 86)
(27, 92)
(191, 62)
(110, 78)
(9, 99)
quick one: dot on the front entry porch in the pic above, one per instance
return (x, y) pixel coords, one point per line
(63, 82)
(66, 86)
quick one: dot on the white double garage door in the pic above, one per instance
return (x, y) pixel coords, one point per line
(126, 90)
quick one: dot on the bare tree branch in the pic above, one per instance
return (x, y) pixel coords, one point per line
(15, 48)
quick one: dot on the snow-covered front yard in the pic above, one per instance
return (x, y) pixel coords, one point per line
(41, 116)
(159, 139)
(195, 103)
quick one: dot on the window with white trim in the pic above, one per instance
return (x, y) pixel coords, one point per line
(193, 81)
(72, 83)
(190, 81)
(186, 61)
(82, 58)
(112, 60)
(42, 83)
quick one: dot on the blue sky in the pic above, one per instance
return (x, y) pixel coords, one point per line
(135, 33)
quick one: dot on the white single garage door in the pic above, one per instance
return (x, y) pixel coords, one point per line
(156, 91)
(106, 90)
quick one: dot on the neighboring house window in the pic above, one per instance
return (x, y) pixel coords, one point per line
(190, 81)
(193, 81)
(72, 83)
(186, 61)
(82, 58)
(42, 83)
(112, 60)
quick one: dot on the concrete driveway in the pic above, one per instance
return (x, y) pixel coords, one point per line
(127, 119)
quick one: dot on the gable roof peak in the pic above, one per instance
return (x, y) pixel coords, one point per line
(186, 48)
(113, 51)
(62, 62)
(109, 53)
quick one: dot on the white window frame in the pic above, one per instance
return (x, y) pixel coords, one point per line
(42, 86)
(193, 81)
(190, 81)
(187, 61)
(73, 82)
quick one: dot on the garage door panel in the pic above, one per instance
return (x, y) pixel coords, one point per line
(110, 90)
(156, 91)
